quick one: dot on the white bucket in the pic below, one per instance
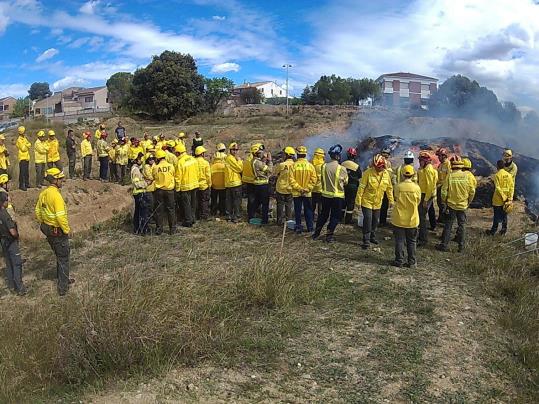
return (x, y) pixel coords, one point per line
(291, 224)
(530, 241)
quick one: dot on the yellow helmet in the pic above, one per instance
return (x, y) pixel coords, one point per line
(301, 150)
(171, 143)
(289, 150)
(256, 148)
(221, 147)
(156, 138)
(160, 154)
(150, 148)
(467, 163)
(408, 171)
(2, 136)
(180, 148)
(55, 172)
(51, 133)
(219, 156)
(181, 135)
(21, 130)
(457, 162)
(233, 146)
(41, 133)
(4, 178)
(319, 151)
(199, 150)
(508, 153)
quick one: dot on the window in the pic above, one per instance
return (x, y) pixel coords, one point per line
(89, 99)
(38, 111)
(272, 91)
(1, 107)
(280, 92)
(6, 107)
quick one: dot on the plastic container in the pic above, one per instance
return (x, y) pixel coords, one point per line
(291, 224)
(530, 241)
(256, 221)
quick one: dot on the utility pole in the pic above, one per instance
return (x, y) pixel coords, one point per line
(287, 66)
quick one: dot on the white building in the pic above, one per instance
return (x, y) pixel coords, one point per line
(406, 90)
(269, 89)
(73, 101)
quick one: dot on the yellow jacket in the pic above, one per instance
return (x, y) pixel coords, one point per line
(218, 174)
(318, 162)
(334, 177)
(302, 178)
(405, 212)
(428, 179)
(233, 170)
(146, 144)
(457, 192)
(40, 151)
(51, 209)
(282, 171)
(86, 148)
(134, 152)
(504, 188)
(186, 176)
(112, 154)
(171, 158)
(97, 134)
(23, 146)
(102, 148)
(4, 159)
(137, 180)
(398, 177)
(443, 171)
(248, 176)
(122, 154)
(372, 187)
(163, 174)
(53, 154)
(204, 173)
(148, 176)
(512, 169)
(471, 178)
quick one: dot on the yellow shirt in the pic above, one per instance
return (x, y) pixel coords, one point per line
(122, 153)
(40, 151)
(23, 146)
(171, 158)
(148, 176)
(146, 144)
(457, 192)
(372, 187)
(334, 177)
(204, 173)
(407, 199)
(233, 170)
(302, 178)
(504, 188)
(282, 171)
(97, 134)
(53, 154)
(112, 154)
(443, 171)
(137, 180)
(4, 159)
(134, 151)
(218, 174)
(247, 175)
(102, 148)
(51, 209)
(427, 178)
(318, 162)
(163, 174)
(86, 148)
(471, 178)
(186, 176)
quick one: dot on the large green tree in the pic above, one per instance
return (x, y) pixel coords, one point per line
(251, 95)
(119, 86)
(38, 91)
(216, 90)
(334, 90)
(21, 108)
(169, 86)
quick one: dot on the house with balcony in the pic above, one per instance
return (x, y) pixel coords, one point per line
(73, 101)
(406, 90)
(269, 89)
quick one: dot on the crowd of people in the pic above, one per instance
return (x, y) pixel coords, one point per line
(175, 187)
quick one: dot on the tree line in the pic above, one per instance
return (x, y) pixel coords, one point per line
(335, 90)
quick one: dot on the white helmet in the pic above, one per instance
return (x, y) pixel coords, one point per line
(409, 155)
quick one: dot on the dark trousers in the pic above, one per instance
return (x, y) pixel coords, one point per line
(165, 203)
(40, 174)
(233, 203)
(423, 211)
(305, 202)
(13, 261)
(140, 216)
(442, 215)
(103, 168)
(499, 217)
(405, 237)
(432, 216)
(316, 200)
(71, 160)
(350, 202)
(203, 204)
(60, 247)
(188, 201)
(113, 172)
(251, 199)
(56, 164)
(371, 219)
(284, 207)
(218, 202)
(460, 216)
(24, 174)
(332, 210)
(86, 167)
(262, 202)
(383, 211)
(122, 173)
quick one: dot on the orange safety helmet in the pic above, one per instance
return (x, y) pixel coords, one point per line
(378, 161)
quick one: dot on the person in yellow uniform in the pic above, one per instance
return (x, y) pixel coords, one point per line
(113, 166)
(283, 191)
(247, 179)
(457, 194)
(23, 146)
(163, 174)
(218, 190)
(334, 178)
(146, 142)
(504, 189)
(147, 172)
(99, 131)
(398, 175)
(169, 149)
(262, 169)
(122, 158)
(233, 170)
(317, 161)
(142, 206)
(302, 179)
(103, 156)
(4, 188)
(444, 168)
(510, 165)
(53, 153)
(427, 178)
(467, 164)
(4, 155)
(181, 138)
(405, 217)
(86, 153)
(51, 214)
(187, 184)
(374, 185)
(40, 157)
(204, 184)
(386, 154)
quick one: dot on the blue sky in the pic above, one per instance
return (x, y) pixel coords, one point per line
(84, 42)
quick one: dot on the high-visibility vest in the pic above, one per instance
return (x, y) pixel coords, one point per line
(332, 193)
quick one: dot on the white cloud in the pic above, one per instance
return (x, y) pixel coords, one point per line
(225, 67)
(89, 7)
(4, 19)
(48, 54)
(57, 31)
(68, 81)
(14, 90)
(218, 17)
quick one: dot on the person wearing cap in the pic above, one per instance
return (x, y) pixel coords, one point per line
(122, 158)
(427, 178)
(283, 190)
(204, 184)
(444, 168)
(163, 173)
(113, 166)
(120, 132)
(51, 214)
(187, 184)
(262, 169)
(467, 168)
(147, 173)
(197, 141)
(146, 142)
(181, 138)
(457, 194)
(408, 160)
(386, 154)
(140, 215)
(169, 150)
(103, 156)
(317, 161)
(99, 131)
(233, 169)
(405, 217)
(374, 186)
(350, 190)
(86, 152)
(302, 179)
(23, 146)
(53, 152)
(248, 178)
(71, 151)
(504, 190)
(334, 178)
(40, 157)
(4, 155)
(4, 188)
(510, 165)
(218, 190)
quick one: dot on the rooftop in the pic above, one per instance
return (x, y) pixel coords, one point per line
(403, 75)
(255, 84)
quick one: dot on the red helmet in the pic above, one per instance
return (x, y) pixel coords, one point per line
(87, 134)
(104, 135)
(379, 161)
(425, 155)
(352, 151)
(441, 152)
